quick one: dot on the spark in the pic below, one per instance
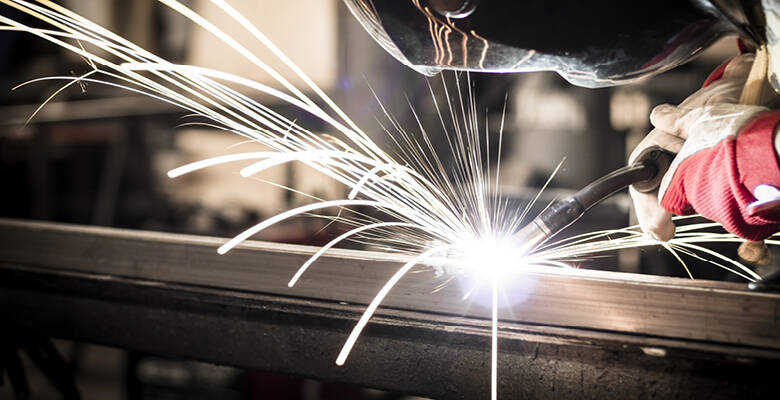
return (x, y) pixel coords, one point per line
(459, 221)
(353, 336)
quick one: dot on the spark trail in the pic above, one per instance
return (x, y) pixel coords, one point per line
(428, 208)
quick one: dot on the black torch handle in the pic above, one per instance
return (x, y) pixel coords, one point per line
(645, 174)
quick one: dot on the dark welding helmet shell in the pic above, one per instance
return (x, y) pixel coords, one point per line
(590, 43)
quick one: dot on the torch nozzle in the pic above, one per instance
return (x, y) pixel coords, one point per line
(530, 237)
(644, 174)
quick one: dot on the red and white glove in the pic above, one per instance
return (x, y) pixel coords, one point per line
(726, 167)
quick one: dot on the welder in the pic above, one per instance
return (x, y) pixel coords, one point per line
(724, 135)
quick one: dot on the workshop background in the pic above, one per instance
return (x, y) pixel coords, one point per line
(98, 155)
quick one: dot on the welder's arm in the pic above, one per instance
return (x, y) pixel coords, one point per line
(727, 163)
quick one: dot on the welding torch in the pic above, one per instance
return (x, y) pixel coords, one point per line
(644, 175)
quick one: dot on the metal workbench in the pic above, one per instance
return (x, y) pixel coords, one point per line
(585, 334)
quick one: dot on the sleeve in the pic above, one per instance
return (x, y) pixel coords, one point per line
(718, 182)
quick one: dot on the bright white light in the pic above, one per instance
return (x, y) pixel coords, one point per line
(482, 266)
(488, 259)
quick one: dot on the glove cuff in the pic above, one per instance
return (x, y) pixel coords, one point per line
(717, 182)
(757, 159)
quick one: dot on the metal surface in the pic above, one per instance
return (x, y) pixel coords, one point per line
(671, 307)
(627, 335)
(420, 353)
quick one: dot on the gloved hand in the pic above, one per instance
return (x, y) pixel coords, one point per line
(705, 177)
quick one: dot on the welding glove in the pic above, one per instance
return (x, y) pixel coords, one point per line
(726, 166)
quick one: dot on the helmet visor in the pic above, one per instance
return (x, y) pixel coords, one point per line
(590, 43)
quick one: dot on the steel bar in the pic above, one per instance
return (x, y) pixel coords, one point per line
(669, 307)
(411, 352)
(172, 295)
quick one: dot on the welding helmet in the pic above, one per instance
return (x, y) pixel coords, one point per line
(590, 43)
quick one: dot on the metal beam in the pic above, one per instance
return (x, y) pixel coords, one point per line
(670, 307)
(172, 295)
